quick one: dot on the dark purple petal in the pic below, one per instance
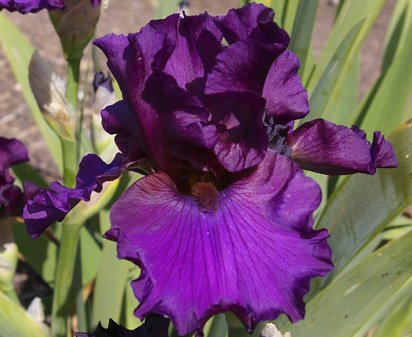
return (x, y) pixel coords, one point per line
(119, 119)
(12, 152)
(254, 22)
(130, 58)
(51, 205)
(327, 148)
(116, 48)
(241, 249)
(11, 200)
(239, 68)
(197, 44)
(242, 140)
(30, 6)
(182, 115)
(286, 97)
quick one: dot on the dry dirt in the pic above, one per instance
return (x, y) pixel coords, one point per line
(125, 16)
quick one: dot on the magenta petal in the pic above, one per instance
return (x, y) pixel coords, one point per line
(327, 148)
(51, 205)
(285, 95)
(254, 254)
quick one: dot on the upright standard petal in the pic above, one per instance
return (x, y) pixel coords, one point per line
(198, 41)
(249, 248)
(286, 97)
(327, 148)
(52, 204)
(254, 22)
(30, 6)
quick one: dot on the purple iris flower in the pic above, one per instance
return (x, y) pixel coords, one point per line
(33, 6)
(224, 218)
(12, 198)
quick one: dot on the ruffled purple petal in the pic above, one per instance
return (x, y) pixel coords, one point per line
(52, 204)
(197, 44)
(327, 148)
(250, 248)
(286, 97)
(161, 108)
(254, 22)
(130, 58)
(30, 6)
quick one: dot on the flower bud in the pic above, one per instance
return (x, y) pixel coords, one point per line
(49, 90)
(76, 25)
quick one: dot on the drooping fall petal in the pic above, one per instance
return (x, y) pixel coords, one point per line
(249, 248)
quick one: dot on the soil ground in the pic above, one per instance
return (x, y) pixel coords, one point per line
(125, 16)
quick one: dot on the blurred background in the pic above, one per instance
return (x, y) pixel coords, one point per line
(127, 16)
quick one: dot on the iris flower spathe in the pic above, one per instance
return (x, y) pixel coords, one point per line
(223, 219)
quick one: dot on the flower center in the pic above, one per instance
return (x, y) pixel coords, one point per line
(207, 195)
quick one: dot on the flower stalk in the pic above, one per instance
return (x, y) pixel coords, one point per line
(64, 292)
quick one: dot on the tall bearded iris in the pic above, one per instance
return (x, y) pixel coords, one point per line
(224, 218)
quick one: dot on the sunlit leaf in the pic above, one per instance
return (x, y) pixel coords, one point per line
(386, 105)
(351, 14)
(362, 206)
(15, 322)
(347, 305)
(111, 280)
(302, 30)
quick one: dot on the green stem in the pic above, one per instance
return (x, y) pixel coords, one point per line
(70, 165)
(65, 288)
(73, 80)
